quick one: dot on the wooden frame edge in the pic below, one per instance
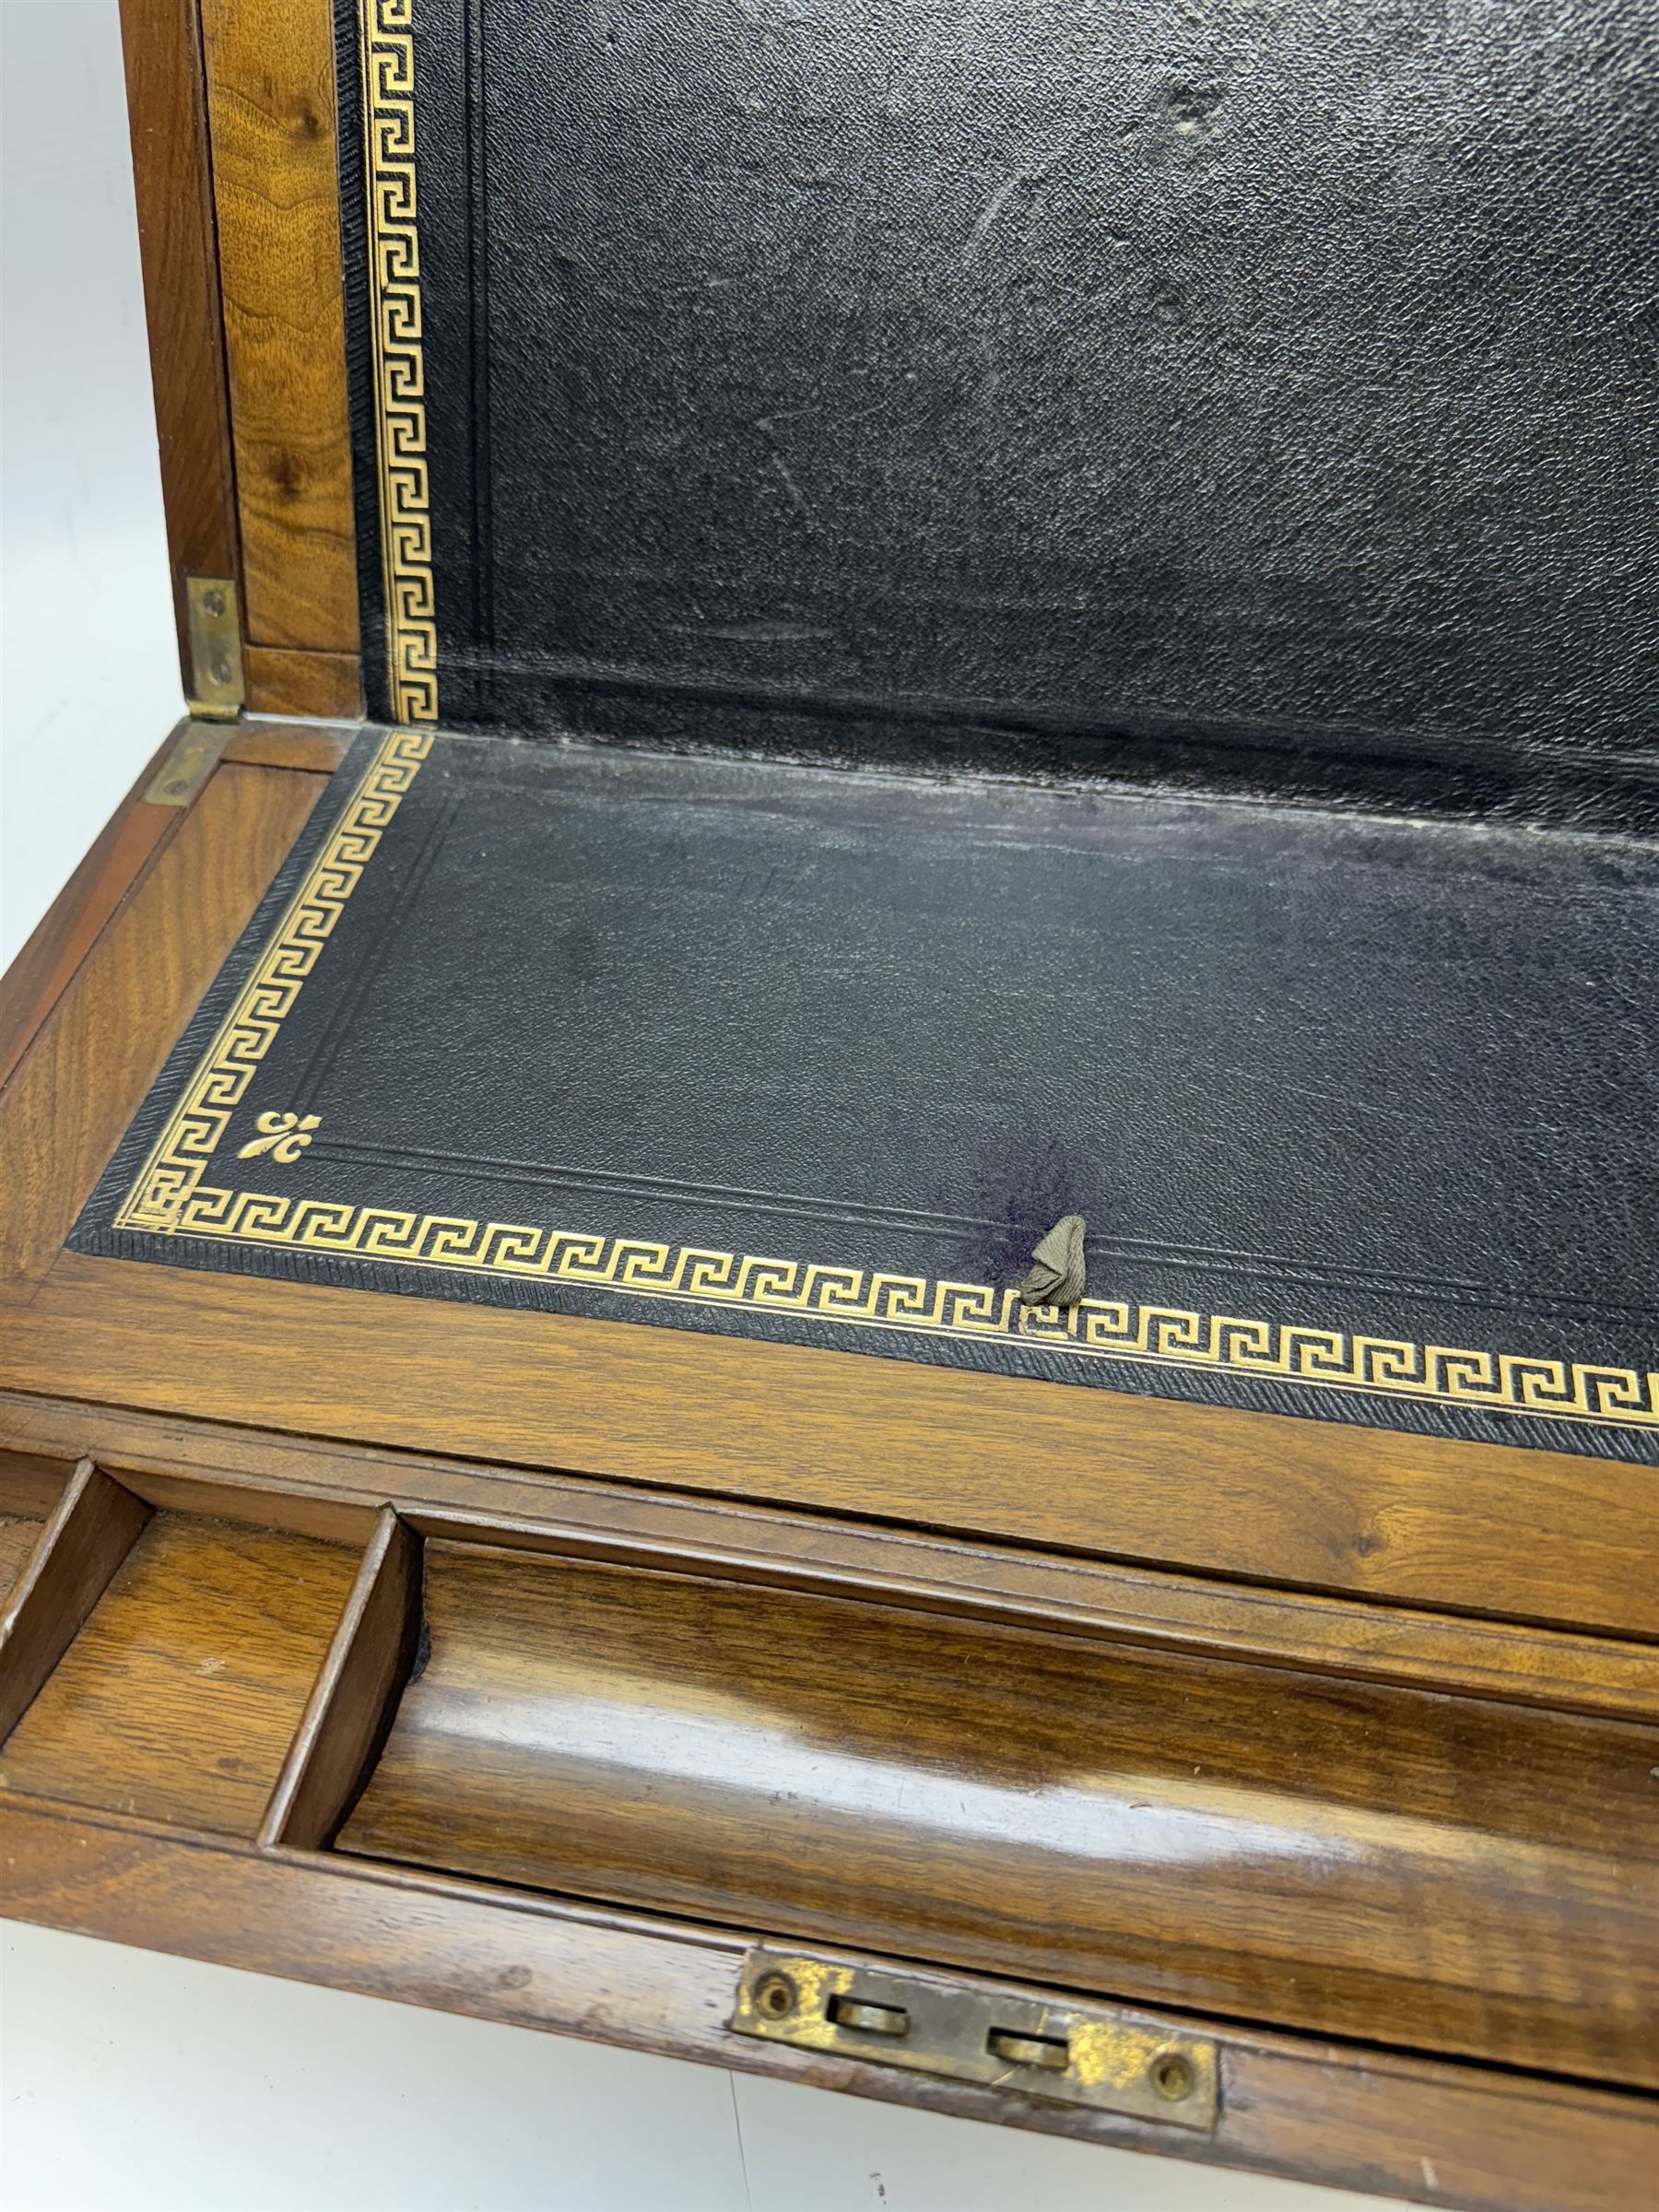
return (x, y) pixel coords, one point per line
(161, 45)
(105, 877)
(269, 91)
(313, 1487)
(1342, 2115)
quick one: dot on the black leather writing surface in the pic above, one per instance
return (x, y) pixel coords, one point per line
(1360, 1114)
(1225, 392)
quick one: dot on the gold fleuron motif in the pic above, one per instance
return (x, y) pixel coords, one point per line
(399, 370)
(283, 1135)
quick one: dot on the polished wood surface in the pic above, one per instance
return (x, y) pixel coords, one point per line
(31, 1481)
(180, 1695)
(275, 150)
(352, 1705)
(30, 1486)
(1357, 2118)
(19, 1537)
(70, 1100)
(1219, 1838)
(82, 1546)
(284, 680)
(106, 877)
(167, 106)
(1319, 1504)
(318, 747)
(321, 1488)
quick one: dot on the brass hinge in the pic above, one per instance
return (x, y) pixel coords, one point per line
(216, 664)
(1110, 2061)
(196, 747)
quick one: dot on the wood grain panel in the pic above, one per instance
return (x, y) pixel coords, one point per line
(271, 109)
(1348, 2116)
(18, 1539)
(320, 748)
(64, 1109)
(284, 680)
(1461, 1878)
(114, 866)
(181, 1695)
(1318, 1504)
(161, 41)
(31, 1482)
(319, 1488)
(92, 1528)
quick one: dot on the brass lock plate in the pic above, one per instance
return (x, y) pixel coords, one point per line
(1087, 2054)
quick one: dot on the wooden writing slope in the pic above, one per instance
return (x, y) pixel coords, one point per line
(1275, 1791)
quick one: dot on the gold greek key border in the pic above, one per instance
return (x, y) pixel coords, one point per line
(400, 416)
(170, 1198)
(171, 1175)
(853, 1297)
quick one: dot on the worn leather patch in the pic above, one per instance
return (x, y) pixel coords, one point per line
(1358, 1114)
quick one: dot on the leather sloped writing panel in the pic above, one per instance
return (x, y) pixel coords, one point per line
(1083, 385)
(1281, 1847)
(1358, 1114)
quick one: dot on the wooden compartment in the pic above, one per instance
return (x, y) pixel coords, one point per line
(179, 1694)
(30, 1489)
(1464, 1876)
(570, 1772)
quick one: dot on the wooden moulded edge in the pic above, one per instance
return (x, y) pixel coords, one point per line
(312, 1487)
(167, 108)
(1344, 2115)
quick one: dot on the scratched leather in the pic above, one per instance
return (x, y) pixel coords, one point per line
(1358, 1075)
(1272, 386)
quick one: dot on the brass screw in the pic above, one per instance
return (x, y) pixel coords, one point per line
(212, 604)
(774, 1995)
(1172, 2076)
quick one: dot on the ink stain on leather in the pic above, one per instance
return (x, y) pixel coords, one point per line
(1026, 1190)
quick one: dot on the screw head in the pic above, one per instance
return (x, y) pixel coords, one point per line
(213, 602)
(1172, 2076)
(775, 1995)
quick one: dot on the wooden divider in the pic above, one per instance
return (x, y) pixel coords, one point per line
(94, 1526)
(352, 1709)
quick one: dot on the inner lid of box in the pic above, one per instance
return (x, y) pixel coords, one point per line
(1034, 384)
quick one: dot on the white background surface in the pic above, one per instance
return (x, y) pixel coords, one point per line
(129, 2081)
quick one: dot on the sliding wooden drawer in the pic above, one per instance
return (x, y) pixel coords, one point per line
(1456, 1873)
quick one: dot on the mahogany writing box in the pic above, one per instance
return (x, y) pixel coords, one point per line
(817, 636)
